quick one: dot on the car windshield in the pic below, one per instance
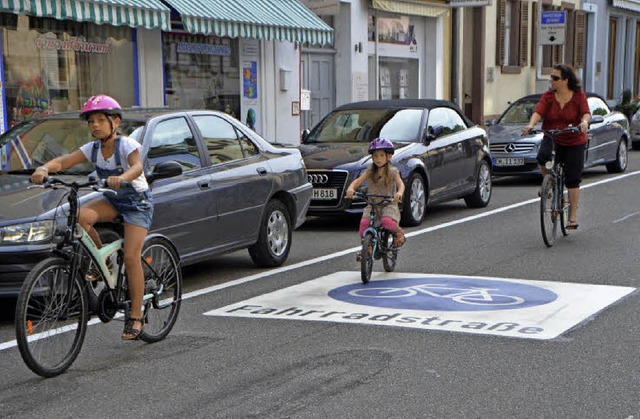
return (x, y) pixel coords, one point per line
(33, 143)
(519, 113)
(364, 125)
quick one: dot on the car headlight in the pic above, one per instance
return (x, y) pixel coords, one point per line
(36, 231)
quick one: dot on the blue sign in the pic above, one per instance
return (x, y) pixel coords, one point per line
(553, 18)
(444, 294)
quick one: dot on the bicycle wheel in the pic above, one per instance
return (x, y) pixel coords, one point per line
(51, 318)
(366, 260)
(548, 212)
(389, 252)
(162, 287)
(563, 202)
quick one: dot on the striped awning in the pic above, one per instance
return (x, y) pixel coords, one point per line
(633, 5)
(279, 20)
(412, 7)
(150, 14)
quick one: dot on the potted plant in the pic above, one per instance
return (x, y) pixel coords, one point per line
(627, 105)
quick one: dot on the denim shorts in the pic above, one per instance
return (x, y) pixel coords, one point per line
(135, 208)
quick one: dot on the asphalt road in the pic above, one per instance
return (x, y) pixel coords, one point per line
(266, 367)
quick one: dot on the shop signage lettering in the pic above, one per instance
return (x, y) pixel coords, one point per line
(73, 44)
(206, 49)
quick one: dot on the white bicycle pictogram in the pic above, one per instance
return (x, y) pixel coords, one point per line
(470, 295)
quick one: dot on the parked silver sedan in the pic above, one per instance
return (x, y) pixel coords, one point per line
(514, 154)
(235, 190)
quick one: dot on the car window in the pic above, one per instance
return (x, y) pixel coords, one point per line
(220, 139)
(446, 118)
(519, 113)
(404, 125)
(597, 106)
(35, 142)
(363, 125)
(248, 147)
(172, 139)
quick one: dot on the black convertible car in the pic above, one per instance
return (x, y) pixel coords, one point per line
(441, 155)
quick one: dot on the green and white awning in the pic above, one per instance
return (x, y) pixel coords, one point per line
(279, 20)
(426, 8)
(150, 14)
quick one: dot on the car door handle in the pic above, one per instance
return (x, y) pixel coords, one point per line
(261, 171)
(203, 184)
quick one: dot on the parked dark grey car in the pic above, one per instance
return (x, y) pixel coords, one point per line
(441, 155)
(634, 130)
(514, 154)
(235, 191)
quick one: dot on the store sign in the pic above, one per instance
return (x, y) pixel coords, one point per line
(73, 44)
(204, 49)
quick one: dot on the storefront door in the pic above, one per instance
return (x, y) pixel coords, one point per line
(318, 77)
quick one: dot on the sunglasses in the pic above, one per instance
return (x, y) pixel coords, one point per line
(554, 77)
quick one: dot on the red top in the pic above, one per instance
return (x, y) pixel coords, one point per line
(555, 117)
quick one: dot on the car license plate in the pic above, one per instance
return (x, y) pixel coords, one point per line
(509, 161)
(325, 193)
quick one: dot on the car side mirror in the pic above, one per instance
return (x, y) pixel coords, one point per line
(596, 119)
(165, 169)
(305, 135)
(433, 132)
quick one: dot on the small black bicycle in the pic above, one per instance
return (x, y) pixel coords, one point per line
(53, 307)
(554, 202)
(377, 241)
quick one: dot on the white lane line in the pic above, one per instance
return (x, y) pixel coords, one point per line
(633, 214)
(276, 271)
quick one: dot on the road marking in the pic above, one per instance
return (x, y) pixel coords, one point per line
(633, 214)
(277, 271)
(513, 308)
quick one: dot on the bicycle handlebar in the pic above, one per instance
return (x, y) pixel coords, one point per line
(366, 197)
(554, 132)
(98, 185)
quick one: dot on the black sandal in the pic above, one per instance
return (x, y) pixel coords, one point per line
(129, 333)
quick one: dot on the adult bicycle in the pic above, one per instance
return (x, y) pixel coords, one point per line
(377, 241)
(52, 310)
(554, 202)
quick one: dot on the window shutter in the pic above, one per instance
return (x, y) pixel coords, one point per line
(524, 33)
(579, 49)
(534, 33)
(502, 17)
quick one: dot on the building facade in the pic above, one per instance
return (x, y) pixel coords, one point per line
(242, 58)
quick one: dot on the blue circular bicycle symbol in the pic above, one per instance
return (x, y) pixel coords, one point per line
(444, 294)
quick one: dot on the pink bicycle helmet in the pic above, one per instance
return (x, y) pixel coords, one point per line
(381, 144)
(101, 103)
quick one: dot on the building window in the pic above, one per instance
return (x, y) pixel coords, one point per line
(201, 72)
(512, 35)
(56, 65)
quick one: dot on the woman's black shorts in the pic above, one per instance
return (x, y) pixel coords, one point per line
(571, 156)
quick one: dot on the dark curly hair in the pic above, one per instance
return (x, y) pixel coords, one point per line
(567, 72)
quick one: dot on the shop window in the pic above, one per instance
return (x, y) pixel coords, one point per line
(398, 78)
(512, 35)
(56, 65)
(173, 140)
(201, 72)
(611, 70)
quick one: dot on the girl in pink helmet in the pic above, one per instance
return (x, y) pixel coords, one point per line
(117, 159)
(383, 178)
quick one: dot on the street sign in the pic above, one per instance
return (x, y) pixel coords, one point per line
(552, 27)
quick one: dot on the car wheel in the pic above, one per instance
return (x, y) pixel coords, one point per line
(481, 196)
(620, 163)
(415, 201)
(274, 240)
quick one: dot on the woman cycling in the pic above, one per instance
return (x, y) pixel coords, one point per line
(565, 104)
(117, 159)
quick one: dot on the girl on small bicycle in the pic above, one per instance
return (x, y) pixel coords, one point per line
(564, 104)
(382, 178)
(117, 159)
